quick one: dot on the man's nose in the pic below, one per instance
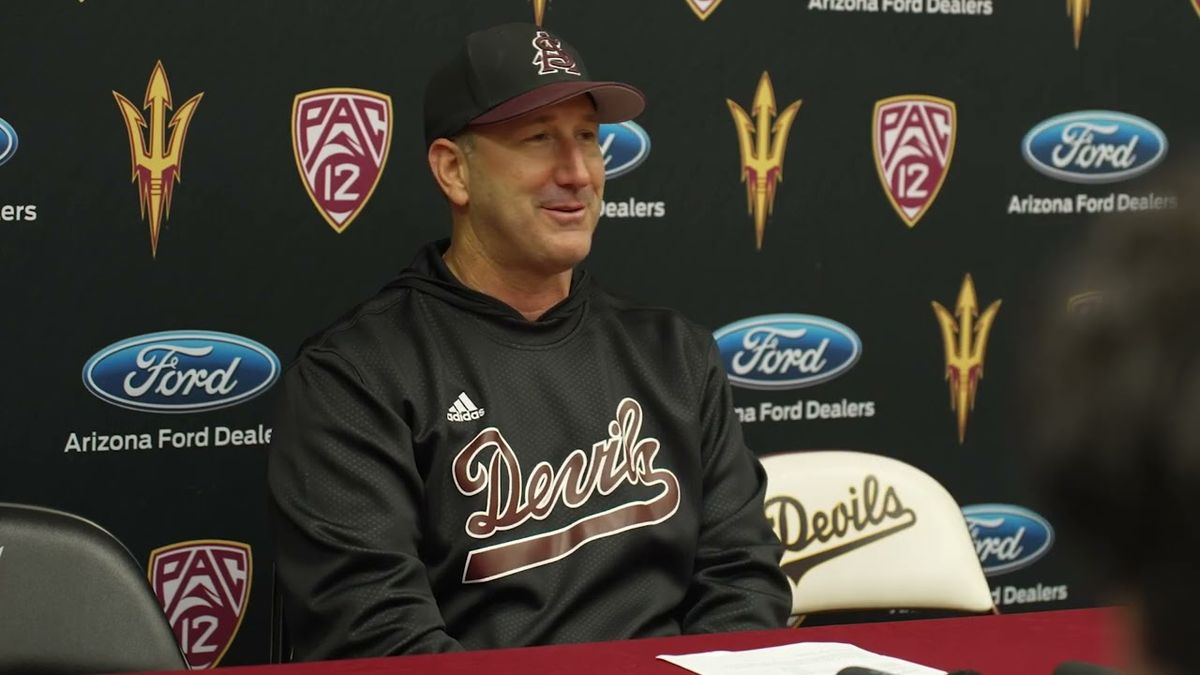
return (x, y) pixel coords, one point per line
(573, 169)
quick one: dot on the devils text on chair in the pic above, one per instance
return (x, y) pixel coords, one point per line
(862, 531)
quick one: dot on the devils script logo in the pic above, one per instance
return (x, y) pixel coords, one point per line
(488, 463)
(203, 586)
(340, 138)
(913, 139)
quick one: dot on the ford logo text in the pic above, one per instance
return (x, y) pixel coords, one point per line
(1095, 146)
(181, 371)
(1007, 537)
(786, 351)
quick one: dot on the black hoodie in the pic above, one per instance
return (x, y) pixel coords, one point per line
(446, 474)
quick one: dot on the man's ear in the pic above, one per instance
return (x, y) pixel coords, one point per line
(448, 163)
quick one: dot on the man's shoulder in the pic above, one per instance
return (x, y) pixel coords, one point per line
(382, 316)
(660, 320)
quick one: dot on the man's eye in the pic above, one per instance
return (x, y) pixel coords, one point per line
(588, 135)
(537, 138)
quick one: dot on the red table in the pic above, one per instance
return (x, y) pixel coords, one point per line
(1014, 644)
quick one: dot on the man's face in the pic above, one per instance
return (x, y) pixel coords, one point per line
(535, 187)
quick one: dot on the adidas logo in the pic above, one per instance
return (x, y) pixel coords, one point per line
(464, 409)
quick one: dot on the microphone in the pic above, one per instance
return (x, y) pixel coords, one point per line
(862, 670)
(1082, 668)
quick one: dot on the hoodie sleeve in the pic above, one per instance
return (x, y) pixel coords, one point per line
(737, 583)
(345, 502)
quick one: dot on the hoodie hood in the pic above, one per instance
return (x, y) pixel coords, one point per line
(428, 275)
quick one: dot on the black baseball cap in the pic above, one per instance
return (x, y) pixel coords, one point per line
(509, 70)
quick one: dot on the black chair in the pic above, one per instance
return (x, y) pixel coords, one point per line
(74, 600)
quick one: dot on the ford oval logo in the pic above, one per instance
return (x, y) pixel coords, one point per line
(625, 146)
(8, 141)
(786, 351)
(181, 371)
(1095, 146)
(1007, 537)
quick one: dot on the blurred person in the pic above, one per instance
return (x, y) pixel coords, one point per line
(494, 452)
(1117, 405)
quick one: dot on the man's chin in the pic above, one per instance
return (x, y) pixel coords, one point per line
(569, 259)
(567, 250)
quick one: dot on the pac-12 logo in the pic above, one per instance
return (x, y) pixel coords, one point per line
(625, 146)
(1094, 146)
(786, 351)
(1007, 537)
(913, 141)
(203, 587)
(181, 371)
(8, 141)
(704, 8)
(340, 139)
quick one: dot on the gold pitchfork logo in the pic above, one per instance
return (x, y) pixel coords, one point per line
(157, 168)
(1077, 11)
(762, 144)
(965, 336)
(539, 11)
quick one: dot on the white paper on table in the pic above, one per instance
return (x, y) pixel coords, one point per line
(801, 658)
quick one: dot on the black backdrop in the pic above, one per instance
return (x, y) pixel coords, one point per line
(244, 252)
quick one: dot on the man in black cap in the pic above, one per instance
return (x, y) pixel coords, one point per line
(492, 451)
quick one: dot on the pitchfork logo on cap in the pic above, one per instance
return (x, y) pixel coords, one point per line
(551, 57)
(204, 587)
(340, 138)
(913, 139)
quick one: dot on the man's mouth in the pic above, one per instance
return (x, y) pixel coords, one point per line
(565, 212)
(566, 207)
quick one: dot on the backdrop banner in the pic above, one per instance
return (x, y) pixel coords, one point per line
(861, 198)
